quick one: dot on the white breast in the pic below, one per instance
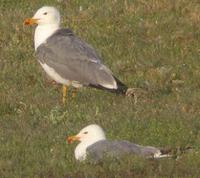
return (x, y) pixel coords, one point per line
(80, 152)
(42, 32)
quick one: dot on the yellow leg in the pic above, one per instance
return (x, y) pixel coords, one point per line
(74, 92)
(64, 93)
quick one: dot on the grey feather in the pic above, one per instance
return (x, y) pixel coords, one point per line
(116, 149)
(73, 59)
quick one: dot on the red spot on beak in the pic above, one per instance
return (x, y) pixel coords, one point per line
(30, 21)
(70, 139)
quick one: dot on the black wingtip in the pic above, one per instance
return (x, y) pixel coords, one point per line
(121, 87)
(175, 151)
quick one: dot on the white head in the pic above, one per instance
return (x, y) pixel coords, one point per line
(48, 20)
(44, 16)
(87, 136)
(47, 15)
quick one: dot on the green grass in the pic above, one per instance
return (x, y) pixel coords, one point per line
(153, 45)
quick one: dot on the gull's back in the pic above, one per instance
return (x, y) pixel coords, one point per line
(116, 149)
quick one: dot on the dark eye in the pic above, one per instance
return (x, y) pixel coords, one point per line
(85, 132)
(45, 13)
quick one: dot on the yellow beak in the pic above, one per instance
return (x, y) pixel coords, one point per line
(70, 139)
(30, 21)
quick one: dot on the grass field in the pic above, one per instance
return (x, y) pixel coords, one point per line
(153, 45)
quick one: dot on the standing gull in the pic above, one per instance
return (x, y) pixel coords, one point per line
(93, 143)
(66, 58)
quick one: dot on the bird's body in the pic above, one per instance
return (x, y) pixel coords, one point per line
(119, 148)
(93, 144)
(66, 58)
(78, 63)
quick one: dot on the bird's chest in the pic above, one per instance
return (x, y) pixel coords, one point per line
(42, 33)
(80, 152)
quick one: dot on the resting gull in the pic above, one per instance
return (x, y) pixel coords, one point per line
(93, 144)
(66, 58)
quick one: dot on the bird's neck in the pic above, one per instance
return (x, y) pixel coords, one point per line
(80, 151)
(42, 32)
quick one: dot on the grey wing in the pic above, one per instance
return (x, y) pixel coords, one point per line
(117, 149)
(114, 149)
(75, 60)
(75, 46)
(99, 150)
(144, 151)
